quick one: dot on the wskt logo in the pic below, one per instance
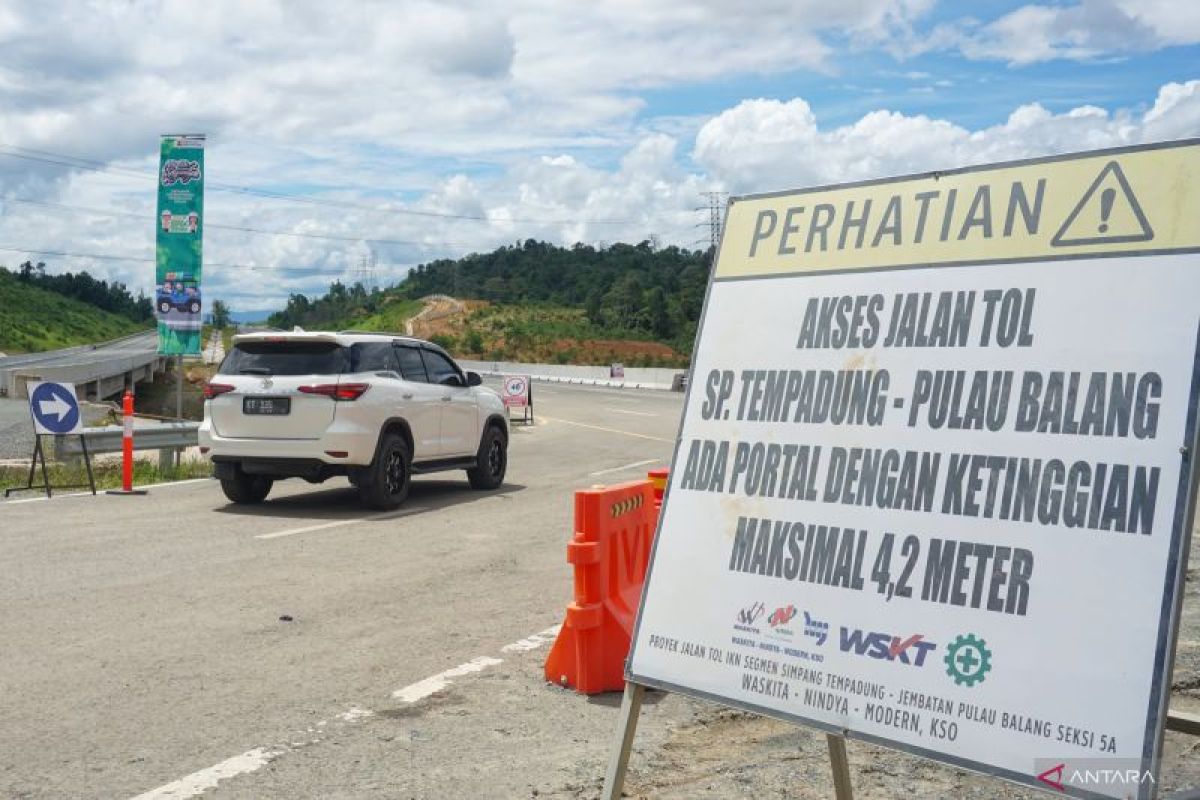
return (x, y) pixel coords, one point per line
(885, 647)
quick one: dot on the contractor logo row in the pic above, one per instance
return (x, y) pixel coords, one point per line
(789, 631)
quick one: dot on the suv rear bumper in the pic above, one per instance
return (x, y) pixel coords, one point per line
(357, 444)
(308, 468)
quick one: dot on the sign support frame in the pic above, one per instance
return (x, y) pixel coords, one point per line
(631, 709)
(39, 454)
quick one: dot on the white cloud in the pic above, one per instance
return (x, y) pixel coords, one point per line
(532, 119)
(765, 145)
(1087, 30)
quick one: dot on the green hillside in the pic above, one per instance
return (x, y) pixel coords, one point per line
(619, 292)
(33, 319)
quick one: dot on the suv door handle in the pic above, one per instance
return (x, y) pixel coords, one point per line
(446, 399)
(407, 396)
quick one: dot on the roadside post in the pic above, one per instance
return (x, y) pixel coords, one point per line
(517, 392)
(938, 446)
(54, 409)
(127, 449)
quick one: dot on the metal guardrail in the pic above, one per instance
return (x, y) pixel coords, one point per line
(169, 436)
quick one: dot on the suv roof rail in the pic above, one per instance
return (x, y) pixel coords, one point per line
(373, 333)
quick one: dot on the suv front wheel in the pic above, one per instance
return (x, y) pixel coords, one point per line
(384, 484)
(491, 462)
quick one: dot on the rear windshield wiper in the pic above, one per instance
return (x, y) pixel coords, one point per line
(254, 371)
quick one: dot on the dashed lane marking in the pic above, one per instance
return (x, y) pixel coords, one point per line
(205, 779)
(623, 467)
(631, 413)
(339, 523)
(608, 430)
(532, 642)
(435, 683)
(252, 760)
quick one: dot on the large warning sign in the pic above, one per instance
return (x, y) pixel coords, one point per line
(933, 481)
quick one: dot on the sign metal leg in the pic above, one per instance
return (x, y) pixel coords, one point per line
(631, 706)
(38, 451)
(839, 762)
(87, 462)
(37, 440)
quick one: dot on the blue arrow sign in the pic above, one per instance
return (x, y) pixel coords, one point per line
(55, 408)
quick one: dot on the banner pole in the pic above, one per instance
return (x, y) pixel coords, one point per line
(631, 706)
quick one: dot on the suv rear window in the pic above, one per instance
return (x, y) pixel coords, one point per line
(285, 358)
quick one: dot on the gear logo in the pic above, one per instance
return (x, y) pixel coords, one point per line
(968, 660)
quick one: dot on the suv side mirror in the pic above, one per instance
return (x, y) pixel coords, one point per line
(473, 379)
(451, 380)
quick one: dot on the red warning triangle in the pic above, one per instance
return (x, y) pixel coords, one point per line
(1108, 213)
(1053, 777)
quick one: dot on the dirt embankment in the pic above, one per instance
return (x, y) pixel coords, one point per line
(442, 316)
(476, 329)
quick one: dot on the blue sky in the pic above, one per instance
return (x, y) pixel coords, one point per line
(565, 121)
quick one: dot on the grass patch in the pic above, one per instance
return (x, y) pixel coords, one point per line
(107, 474)
(390, 318)
(33, 319)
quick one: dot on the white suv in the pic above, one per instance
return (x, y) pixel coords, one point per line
(376, 408)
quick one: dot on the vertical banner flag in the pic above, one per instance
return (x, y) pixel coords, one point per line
(180, 231)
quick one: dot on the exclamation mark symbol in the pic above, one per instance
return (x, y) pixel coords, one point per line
(1106, 203)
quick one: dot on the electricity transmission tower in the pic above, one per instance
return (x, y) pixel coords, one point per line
(366, 272)
(716, 205)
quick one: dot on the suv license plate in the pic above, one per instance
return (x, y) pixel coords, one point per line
(277, 406)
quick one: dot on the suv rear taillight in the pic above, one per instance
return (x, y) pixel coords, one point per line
(211, 390)
(338, 391)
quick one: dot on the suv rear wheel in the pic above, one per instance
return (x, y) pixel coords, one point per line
(248, 489)
(491, 462)
(384, 484)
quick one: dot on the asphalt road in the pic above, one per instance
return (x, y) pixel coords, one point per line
(144, 640)
(135, 343)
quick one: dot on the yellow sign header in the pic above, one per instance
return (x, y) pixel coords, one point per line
(1123, 201)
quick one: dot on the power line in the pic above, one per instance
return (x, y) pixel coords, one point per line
(147, 260)
(241, 228)
(74, 162)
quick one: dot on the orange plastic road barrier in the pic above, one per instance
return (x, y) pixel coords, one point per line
(614, 530)
(658, 477)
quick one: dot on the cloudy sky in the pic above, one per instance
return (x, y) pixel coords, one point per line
(405, 131)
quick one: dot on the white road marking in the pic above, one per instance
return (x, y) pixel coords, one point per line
(355, 713)
(532, 642)
(608, 430)
(623, 468)
(632, 413)
(199, 782)
(435, 683)
(99, 492)
(338, 523)
(164, 484)
(252, 760)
